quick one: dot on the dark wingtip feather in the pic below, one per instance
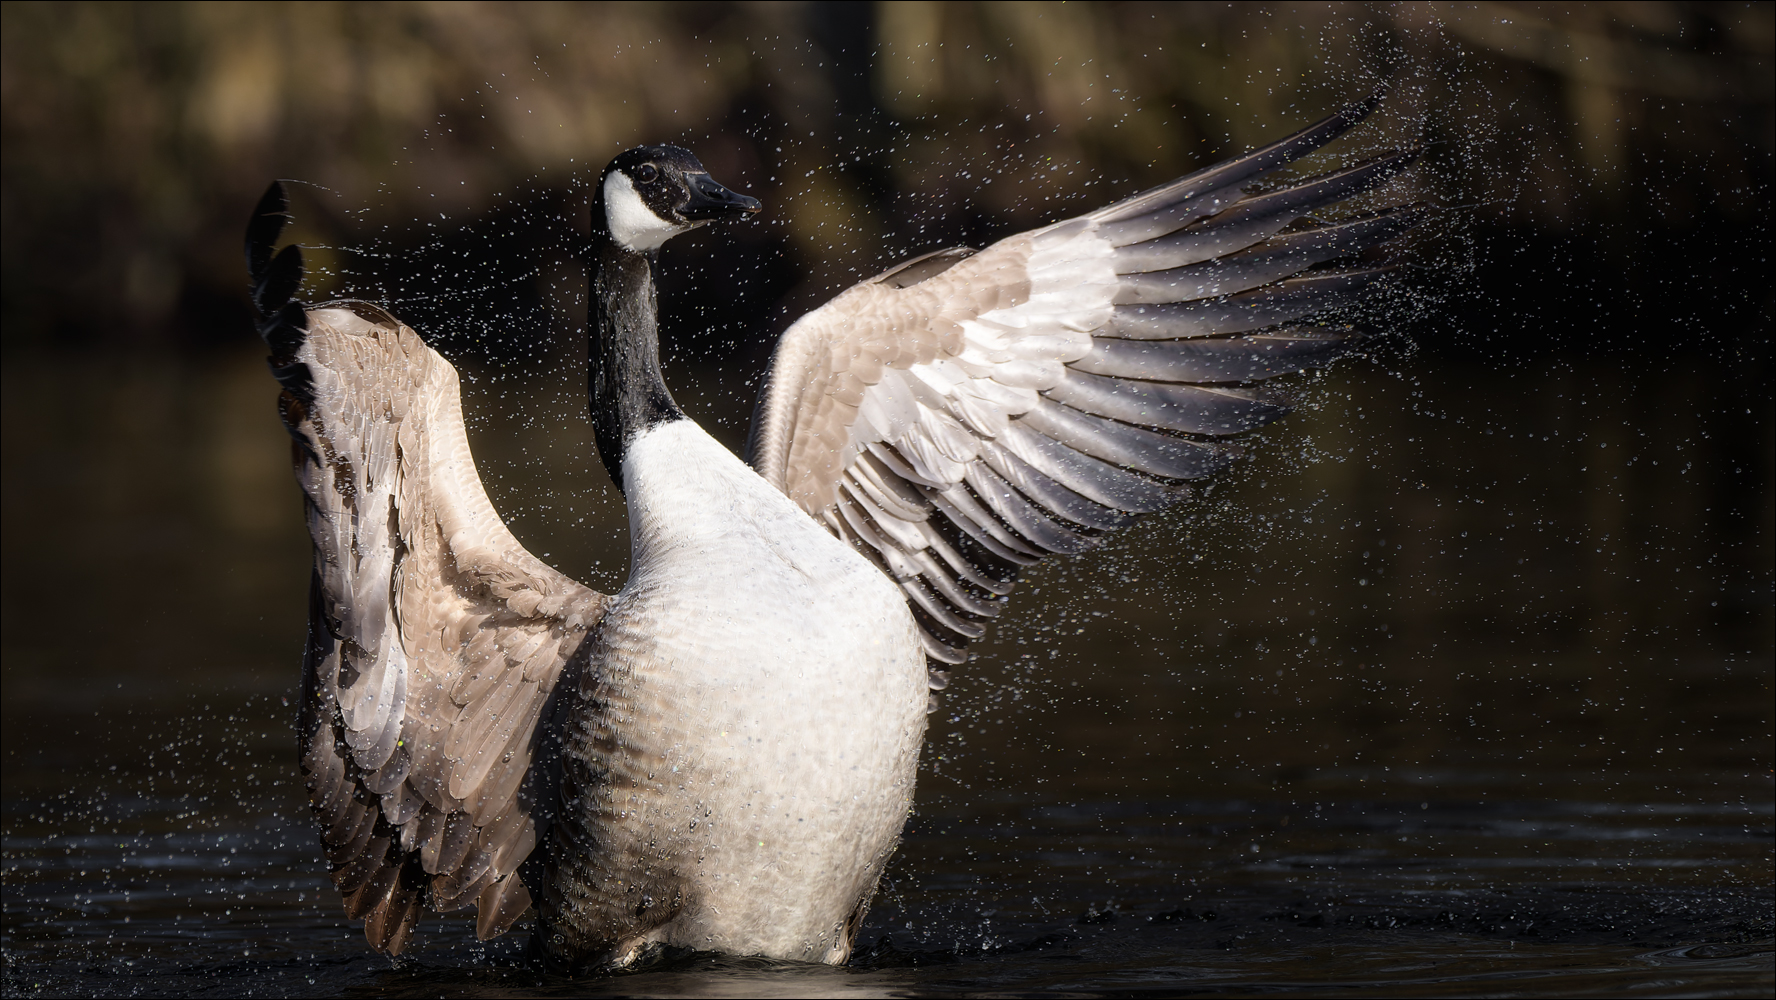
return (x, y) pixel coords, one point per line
(285, 329)
(1359, 110)
(278, 282)
(264, 228)
(275, 280)
(1243, 168)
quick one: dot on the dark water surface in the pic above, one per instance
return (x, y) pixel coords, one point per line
(1460, 686)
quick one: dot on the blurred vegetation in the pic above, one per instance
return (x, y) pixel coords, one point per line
(137, 136)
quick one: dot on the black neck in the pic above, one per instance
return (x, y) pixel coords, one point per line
(628, 393)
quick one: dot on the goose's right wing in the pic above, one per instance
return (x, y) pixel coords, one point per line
(965, 414)
(435, 640)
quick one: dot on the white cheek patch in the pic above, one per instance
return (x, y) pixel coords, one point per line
(632, 223)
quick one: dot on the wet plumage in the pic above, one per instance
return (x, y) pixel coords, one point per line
(722, 755)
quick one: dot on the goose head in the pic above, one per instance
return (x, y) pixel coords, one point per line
(650, 194)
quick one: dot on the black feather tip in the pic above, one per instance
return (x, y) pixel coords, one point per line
(274, 280)
(264, 228)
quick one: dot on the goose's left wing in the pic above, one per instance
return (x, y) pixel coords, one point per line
(965, 414)
(436, 642)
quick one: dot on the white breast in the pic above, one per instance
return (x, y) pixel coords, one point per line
(772, 685)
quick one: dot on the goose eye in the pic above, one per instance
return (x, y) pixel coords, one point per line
(646, 173)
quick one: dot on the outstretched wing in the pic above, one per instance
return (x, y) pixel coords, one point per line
(435, 640)
(965, 414)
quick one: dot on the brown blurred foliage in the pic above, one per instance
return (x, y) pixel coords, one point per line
(136, 136)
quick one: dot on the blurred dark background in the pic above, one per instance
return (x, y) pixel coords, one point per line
(1554, 476)
(1612, 158)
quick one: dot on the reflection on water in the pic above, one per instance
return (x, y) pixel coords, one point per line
(1460, 685)
(1008, 895)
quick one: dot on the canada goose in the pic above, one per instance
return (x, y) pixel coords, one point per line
(721, 756)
